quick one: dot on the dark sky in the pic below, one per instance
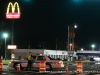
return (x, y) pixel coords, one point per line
(47, 20)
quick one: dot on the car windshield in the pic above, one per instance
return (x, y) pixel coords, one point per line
(50, 58)
(34, 57)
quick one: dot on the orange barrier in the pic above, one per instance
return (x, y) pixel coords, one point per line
(42, 66)
(79, 67)
(18, 67)
(1, 65)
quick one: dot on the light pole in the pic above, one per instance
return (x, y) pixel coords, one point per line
(56, 44)
(5, 35)
(75, 26)
(93, 46)
(12, 31)
(71, 46)
(56, 48)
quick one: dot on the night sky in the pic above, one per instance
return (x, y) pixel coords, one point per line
(47, 20)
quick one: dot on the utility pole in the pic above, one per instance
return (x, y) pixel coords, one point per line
(56, 44)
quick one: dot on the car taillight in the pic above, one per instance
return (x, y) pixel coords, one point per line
(59, 62)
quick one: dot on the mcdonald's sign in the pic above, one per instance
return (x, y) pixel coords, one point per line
(13, 14)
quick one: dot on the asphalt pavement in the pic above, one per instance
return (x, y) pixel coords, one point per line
(93, 69)
(32, 73)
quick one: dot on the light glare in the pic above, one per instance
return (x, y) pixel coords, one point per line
(93, 46)
(75, 26)
(5, 35)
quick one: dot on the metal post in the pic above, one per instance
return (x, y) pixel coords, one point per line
(70, 47)
(56, 48)
(29, 46)
(56, 44)
(68, 39)
(5, 48)
(92, 48)
(12, 31)
(73, 44)
(68, 44)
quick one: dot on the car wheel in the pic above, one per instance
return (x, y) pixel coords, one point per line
(48, 67)
(15, 66)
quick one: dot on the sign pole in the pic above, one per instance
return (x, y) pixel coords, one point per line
(12, 31)
(13, 15)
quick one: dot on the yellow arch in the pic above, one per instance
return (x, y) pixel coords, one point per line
(16, 4)
(13, 7)
(9, 7)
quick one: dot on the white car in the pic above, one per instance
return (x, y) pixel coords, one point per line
(50, 64)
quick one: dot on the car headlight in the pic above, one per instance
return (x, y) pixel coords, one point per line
(9, 62)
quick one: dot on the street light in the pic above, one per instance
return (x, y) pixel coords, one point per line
(5, 35)
(82, 49)
(93, 46)
(70, 46)
(75, 26)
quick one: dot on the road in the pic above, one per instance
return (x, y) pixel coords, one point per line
(87, 69)
(32, 73)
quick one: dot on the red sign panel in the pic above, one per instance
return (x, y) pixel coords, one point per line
(12, 16)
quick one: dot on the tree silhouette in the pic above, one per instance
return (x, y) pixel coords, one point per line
(2, 24)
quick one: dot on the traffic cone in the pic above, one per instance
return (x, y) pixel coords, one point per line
(66, 69)
(18, 67)
(79, 68)
(42, 67)
(1, 65)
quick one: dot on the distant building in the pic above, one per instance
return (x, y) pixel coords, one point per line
(22, 53)
(90, 54)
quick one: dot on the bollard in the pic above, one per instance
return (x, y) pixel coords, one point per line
(18, 67)
(42, 66)
(66, 69)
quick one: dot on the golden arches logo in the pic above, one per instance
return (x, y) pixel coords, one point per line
(13, 7)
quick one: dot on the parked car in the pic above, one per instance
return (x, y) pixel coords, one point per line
(50, 63)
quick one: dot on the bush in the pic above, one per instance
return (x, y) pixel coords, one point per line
(8, 54)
